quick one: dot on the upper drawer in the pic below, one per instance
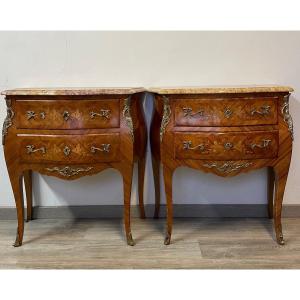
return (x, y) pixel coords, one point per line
(226, 145)
(226, 112)
(62, 114)
(70, 148)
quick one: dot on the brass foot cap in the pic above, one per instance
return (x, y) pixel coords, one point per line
(17, 243)
(281, 241)
(167, 240)
(130, 241)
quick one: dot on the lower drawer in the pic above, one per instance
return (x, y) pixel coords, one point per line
(70, 148)
(226, 145)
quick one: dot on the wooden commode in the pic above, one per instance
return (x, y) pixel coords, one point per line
(70, 133)
(225, 131)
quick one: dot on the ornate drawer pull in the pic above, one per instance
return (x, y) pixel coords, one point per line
(188, 112)
(228, 112)
(66, 115)
(228, 146)
(264, 144)
(104, 148)
(104, 113)
(31, 115)
(31, 149)
(187, 145)
(263, 111)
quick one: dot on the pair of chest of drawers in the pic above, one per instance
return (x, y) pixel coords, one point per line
(225, 131)
(69, 133)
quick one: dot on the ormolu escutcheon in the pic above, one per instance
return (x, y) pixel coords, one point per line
(66, 115)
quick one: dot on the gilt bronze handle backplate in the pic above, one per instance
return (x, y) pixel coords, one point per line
(31, 149)
(104, 148)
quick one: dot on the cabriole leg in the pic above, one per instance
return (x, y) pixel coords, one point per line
(156, 179)
(271, 180)
(28, 189)
(280, 182)
(16, 183)
(141, 177)
(168, 174)
(127, 181)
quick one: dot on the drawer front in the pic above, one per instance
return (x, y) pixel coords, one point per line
(70, 148)
(224, 146)
(64, 114)
(226, 112)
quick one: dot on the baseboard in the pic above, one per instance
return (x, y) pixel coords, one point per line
(180, 211)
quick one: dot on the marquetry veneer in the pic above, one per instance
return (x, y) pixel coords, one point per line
(70, 133)
(225, 131)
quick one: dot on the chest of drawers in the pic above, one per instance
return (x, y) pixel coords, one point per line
(70, 133)
(225, 131)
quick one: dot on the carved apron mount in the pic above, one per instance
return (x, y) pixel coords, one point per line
(166, 116)
(127, 116)
(286, 115)
(8, 120)
(227, 167)
(69, 171)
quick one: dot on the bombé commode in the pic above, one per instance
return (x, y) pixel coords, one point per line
(70, 133)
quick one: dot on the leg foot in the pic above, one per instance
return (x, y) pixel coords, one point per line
(167, 239)
(130, 240)
(18, 241)
(280, 239)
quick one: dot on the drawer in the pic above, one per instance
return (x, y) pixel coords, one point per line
(70, 148)
(225, 112)
(224, 146)
(63, 114)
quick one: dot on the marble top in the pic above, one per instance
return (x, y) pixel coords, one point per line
(72, 91)
(220, 90)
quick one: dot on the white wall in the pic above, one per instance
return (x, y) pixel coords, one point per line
(45, 59)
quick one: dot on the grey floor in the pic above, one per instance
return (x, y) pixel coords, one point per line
(197, 243)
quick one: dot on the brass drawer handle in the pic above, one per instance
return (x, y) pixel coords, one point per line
(104, 148)
(104, 113)
(66, 115)
(188, 113)
(263, 110)
(264, 144)
(228, 112)
(228, 146)
(31, 149)
(187, 145)
(31, 115)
